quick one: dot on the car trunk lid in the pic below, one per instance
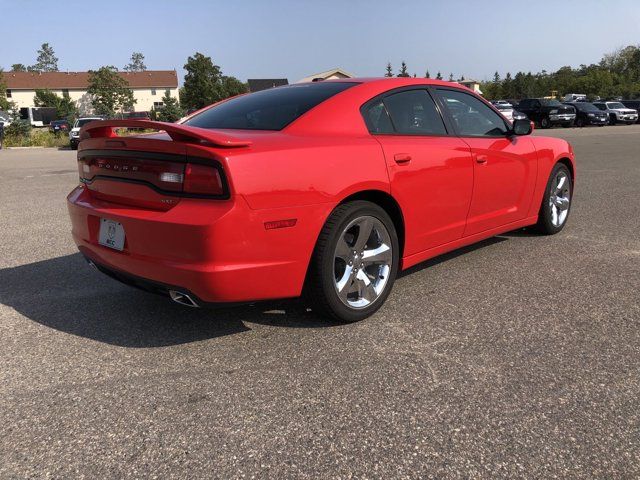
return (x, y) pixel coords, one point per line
(154, 170)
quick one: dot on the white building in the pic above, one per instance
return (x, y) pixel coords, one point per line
(148, 87)
(335, 73)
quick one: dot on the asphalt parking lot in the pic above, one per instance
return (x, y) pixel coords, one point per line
(518, 357)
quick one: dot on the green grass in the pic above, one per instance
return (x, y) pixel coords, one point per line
(38, 138)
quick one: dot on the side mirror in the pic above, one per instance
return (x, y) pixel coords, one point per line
(522, 126)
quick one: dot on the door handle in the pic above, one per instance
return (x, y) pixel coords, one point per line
(402, 158)
(481, 160)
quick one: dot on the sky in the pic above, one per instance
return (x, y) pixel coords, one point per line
(292, 39)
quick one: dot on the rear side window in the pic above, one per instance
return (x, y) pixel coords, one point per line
(271, 109)
(411, 112)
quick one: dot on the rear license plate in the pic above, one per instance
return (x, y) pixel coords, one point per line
(111, 234)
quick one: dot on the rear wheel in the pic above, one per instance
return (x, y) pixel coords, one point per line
(580, 123)
(545, 122)
(556, 202)
(354, 264)
(612, 119)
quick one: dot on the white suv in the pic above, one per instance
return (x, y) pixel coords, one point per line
(618, 113)
(74, 134)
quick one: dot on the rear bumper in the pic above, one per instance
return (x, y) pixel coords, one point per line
(219, 251)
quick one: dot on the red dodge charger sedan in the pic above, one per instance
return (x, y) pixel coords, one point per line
(322, 189)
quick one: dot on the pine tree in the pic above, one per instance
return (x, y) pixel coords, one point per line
(439, 76)
(496, 77)
(170, 111)
(136, 64)
(427, 75)
(389, 70)
(110, 92)
(46, 61)
(451, 77)
(403, 70)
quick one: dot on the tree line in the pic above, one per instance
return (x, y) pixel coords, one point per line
(616, 75)
(111, 94)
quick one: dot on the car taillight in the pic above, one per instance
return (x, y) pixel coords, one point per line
(166, 176)
(202, 179)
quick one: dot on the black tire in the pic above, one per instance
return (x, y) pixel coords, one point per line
(629, 123)
(612, 119)
(580, 123)
(545, 122)
(74, 146)
(545, 223)
(320, 289)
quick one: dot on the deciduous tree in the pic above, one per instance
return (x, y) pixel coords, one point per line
(65, 107)
(109, 91)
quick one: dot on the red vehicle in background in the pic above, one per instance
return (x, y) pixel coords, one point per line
(324, 189)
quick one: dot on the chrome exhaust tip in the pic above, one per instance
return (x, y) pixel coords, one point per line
(183, 299)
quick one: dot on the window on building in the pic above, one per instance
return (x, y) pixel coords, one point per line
(153, 91)
(8, 93)
(65, 91)
(158, 104)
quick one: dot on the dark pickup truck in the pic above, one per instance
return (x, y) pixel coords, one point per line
(546, 112)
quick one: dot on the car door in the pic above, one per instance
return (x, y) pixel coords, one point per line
(430, 171)
(505, 166)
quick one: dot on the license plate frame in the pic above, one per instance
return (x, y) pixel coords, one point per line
(111, 234)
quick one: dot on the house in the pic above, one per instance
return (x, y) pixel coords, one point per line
(471, 85)
(148, 87)
(257, 84)
(335, 73)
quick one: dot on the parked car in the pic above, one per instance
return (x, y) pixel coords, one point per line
(505, 109)
(502, 102)
(74, 134)
(325, 189)
(575, 97)
(5, 118)
(588, 114)
(617, 112)
(59, 126)
(547, 112)
(634, 105)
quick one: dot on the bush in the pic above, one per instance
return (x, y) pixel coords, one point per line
(35, 138)
(18, 128)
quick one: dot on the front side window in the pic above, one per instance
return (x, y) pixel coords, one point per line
(471, 116)
(271, 109)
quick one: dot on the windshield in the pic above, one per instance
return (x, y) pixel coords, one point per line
(550, 103)
(271, 109)
(615, 105)
(586, 107)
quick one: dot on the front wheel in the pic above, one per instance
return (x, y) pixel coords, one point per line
(556, 202)
(545, 122)
(354, 263)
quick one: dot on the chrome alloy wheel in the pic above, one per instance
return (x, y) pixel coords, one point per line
(362, 262)
(559, 199)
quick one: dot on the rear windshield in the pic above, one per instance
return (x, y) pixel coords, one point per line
(84, 121)
(271, 109)
(550, 103)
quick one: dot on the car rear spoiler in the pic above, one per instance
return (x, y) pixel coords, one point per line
(177, 132)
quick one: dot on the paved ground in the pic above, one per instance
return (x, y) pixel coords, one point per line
(519, 357)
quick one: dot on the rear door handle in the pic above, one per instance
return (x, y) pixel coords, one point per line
(402, 158)
(481, 159)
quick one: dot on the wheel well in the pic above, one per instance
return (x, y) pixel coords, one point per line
(566, 162)
(389, 204)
